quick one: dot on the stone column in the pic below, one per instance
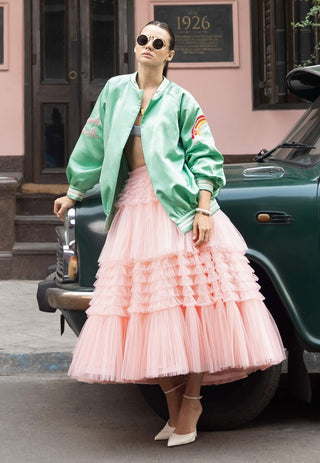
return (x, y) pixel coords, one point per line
(9, 183)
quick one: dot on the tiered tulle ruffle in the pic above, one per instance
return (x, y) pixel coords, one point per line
(162, 307)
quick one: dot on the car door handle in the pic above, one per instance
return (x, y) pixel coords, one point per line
(274, 217)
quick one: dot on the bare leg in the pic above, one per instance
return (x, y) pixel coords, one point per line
(174, 398)
(190, 409)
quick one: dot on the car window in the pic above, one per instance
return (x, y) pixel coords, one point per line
(306, 131)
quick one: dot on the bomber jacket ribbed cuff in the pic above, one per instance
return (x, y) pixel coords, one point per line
(75, 194)
(185, 223)
(205, 185)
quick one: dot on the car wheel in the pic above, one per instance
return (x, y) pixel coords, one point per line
(227, 406)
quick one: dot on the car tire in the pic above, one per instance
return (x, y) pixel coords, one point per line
(228, 406)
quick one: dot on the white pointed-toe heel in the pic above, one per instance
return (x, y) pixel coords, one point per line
(182, 439)
(165, 432)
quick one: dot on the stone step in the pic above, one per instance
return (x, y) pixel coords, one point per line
(31, 260)
(33, 248)
(36, 228)
(34, 204)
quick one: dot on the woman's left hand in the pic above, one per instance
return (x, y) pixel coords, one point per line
(201, 229)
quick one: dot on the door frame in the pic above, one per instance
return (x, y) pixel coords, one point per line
(125, 63)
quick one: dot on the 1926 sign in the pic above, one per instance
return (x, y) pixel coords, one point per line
(204, 32)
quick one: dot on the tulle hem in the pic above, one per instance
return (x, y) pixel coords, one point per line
(225, 376)
(162, 307)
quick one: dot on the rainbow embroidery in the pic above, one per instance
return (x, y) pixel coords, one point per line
(195, 132)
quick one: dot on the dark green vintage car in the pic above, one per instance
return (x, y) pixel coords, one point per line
(274, 202)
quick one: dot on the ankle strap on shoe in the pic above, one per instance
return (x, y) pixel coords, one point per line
(192, 398)
(174, 388)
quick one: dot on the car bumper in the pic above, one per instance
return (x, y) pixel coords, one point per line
(69, 300)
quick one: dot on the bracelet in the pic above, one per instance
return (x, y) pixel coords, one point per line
(199, 210)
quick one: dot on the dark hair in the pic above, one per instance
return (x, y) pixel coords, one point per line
(171, 45)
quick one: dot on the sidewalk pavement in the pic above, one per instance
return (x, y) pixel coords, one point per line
(30, 340)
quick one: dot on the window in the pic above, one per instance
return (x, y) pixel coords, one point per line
(277, 48)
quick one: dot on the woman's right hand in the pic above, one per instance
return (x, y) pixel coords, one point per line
(61, 205)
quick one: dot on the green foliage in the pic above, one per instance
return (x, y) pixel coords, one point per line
(311, 17)
(311, 20)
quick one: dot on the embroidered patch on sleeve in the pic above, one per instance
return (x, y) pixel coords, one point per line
(92, 131)
(200, 121)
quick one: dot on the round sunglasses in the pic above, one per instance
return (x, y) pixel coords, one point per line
(157, 43)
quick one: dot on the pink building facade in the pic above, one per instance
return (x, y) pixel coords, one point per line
(226, 94)
(12, 83)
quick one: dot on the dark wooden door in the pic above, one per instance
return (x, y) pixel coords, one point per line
(76, 46)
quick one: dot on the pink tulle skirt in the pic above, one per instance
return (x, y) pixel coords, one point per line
(162, 307)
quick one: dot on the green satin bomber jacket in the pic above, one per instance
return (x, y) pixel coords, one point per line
(179, 150)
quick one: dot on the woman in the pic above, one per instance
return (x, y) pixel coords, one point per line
(175, 301)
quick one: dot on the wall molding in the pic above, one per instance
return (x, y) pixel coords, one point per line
(4, 39)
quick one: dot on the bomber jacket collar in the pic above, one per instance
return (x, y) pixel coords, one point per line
(160, 89)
